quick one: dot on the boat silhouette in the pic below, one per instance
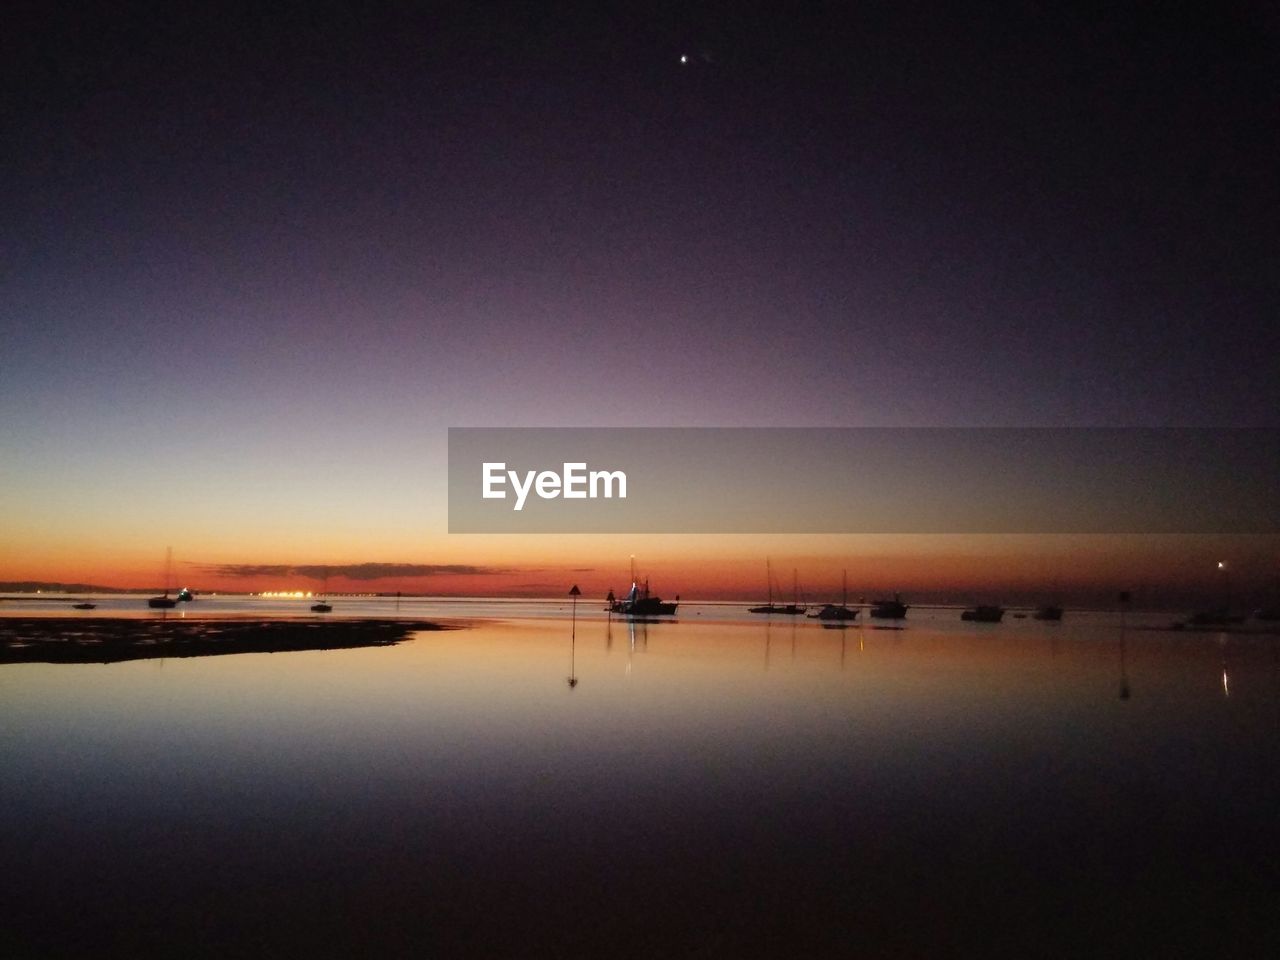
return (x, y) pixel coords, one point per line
(893, 609)
(983, 614)
(791, 609)
(640, 602)
(840, 611)
(164, 601)
(322, 604)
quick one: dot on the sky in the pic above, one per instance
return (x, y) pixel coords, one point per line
(257, 261)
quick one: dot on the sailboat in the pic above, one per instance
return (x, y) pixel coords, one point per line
(322, 604)
(164, 601)
(791, 609)
(841, 611)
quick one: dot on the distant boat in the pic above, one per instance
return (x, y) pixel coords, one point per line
(791, 609)
(839, 611)
(1048, 611)
(983, 614)
(85, 605)
(1214, 617)
(185, 595)
(322, 604)
(893, 609)
(164, 601)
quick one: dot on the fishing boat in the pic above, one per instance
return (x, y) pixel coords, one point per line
(164, 601)
(893, 609)
(1048, 611)
(640, 602)
(840, 611)
(983, 614)
(791, 609)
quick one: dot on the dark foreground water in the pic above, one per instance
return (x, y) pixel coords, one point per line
(707, 788)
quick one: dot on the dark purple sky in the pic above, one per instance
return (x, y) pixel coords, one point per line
(847, 214)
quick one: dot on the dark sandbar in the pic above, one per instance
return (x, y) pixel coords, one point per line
(114, 639)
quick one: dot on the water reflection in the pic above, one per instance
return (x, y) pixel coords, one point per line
(1124, 677)
(472, 811)
(1226, 680)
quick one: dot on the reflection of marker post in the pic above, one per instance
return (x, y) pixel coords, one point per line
(573, 637)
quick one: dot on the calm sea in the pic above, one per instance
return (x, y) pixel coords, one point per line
(715, 786)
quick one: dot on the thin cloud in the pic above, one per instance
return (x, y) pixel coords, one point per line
(351, 571)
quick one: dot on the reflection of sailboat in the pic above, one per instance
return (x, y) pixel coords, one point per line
(893, 609)
(322, 604)
(841, 611)
(791, 609)
(164, 601)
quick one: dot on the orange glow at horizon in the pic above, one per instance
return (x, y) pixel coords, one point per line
(702, 567)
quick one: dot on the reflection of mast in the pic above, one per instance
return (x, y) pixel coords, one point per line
(631, 645)
(766, 644)
(1124, 677)
(644, 635)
